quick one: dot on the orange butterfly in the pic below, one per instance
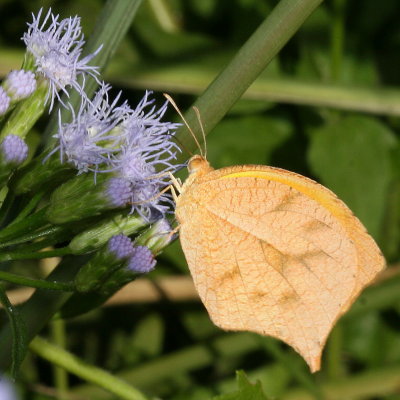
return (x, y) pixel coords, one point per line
(273, 252)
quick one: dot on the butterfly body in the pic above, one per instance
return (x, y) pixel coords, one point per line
(273, 252)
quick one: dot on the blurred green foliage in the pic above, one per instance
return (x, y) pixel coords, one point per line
(170, 349)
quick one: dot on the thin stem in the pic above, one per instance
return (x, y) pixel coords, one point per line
(15, 255)
(19, 344)
(36, 283)
(71, 363)
(285, 19)
(334, 365)
(56, 236)
(60, 375)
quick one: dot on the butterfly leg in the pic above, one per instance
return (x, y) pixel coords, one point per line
(176, 183)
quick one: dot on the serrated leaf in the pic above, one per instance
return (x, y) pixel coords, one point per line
(20, 340)
(246, 390)
(352, 158)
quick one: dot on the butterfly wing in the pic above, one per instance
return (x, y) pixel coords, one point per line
(275, 253)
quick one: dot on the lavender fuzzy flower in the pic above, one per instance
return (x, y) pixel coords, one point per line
(4, 101)
(119, 192)
(88, 141)
(56, 47)
(7, 389)
(20, 84)
(121, 246)
(146, 156)
(141, 260)
(13, 150)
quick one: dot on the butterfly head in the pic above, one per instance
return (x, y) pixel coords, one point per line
(198, 165)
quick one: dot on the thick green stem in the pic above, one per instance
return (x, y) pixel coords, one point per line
(36, 283)
(250, 61)
(64, 359)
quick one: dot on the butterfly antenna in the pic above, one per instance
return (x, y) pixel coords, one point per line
(169, 98)
(197, 111)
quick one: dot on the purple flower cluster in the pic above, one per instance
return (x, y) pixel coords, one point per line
(56, 47)
(13, 150)
(20, 84)
(140, 258)
(132, 144)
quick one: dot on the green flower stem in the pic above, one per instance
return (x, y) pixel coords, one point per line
(55, 231)
(54, 236)
(36, 283)
(19, 345)
(41, 306)
(246, 66)
(6, 206)
(64, 359)
(26, 113)
(22, 255)
(33, 202)
(58, 334)
(27, 225)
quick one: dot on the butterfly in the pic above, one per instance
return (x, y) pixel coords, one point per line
(273, 252)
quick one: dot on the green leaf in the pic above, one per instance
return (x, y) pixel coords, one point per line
(353, 158)
(246, 390)
(20, 342)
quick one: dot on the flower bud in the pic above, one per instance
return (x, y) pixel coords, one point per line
(4, 101)
(97, 235)
(13, 152)
(157, 236)
(43, 172)
(81, 197)
(20, 84)
(111, 257)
